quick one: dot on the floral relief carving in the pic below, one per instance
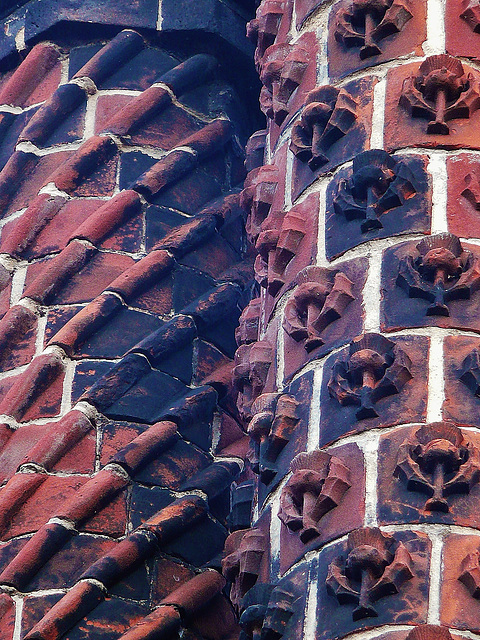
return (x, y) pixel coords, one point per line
(275, 417)
(439, 463)
(321, 298)
(374, 368)
(317, 485)
(283, 67)
(365, 23)
(441, 91)
(441, 271)
(277, 244)
(328, 115)
(376, 565)
(242, 561)
(379, 184)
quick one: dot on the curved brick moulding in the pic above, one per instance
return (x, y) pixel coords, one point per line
(240, 405)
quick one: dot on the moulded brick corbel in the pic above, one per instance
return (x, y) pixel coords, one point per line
(142, 274)
(86, 322)
(39, 61)
(58, 440)
(40, 211)
(163, 622)
(94, 493)
(118, 209)
(122, 48)
(15, 323)
(19, 164)
(54, 111)
(81, 599)
(149, 444)
(39, 376)
(196, 593)
(58, 270)
(92, 154)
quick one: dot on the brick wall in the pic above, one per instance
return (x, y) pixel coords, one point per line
(358, 365)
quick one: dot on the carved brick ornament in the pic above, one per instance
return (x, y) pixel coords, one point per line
(472, 190)
(471, 14)
(470, 372)
(365, 23)
(429, 632)
(267, 612)
(317, 485)
(441, 91)
(263, 28)
(257, 197)
(470, 576)
(376, 566)
(327, 116)
(275, 417)
(252, 362)
(242, 560)
(441, 271)
(283, 67)
(374, 368)
(248, 324)
(379, 184)
(438, 462)
(321, 298)
(277, 244)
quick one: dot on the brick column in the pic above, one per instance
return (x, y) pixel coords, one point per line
(359, 365)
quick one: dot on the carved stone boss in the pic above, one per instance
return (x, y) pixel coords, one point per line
(317, 485)
(438, 462)
(440, 272)
(441, 91)
(376, 566)
(365, 23)
(321, 298)
(374, 368)
(275, 417)
(379, 184)
(328, 115)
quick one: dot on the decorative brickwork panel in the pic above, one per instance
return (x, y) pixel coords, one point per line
(383, 385)
(333, 127)
(435, 104)
(362, 34)
(403, 559)
(380, 196)
(433, 282)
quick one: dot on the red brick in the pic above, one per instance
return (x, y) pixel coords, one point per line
(463, 205)
(461, 40)
(412, 132)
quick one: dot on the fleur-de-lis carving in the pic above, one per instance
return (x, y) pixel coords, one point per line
(277, 244)
(471, 14)
(365, 23)
(317, 485)
(441, 90)
(374, 368)
(327, 116)
(321, 298)
(438, 462)
(376, 566)
(379, 183)
(440, 272)
(242, 559)
(275, 417)
(283, 67)
(470, 573)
